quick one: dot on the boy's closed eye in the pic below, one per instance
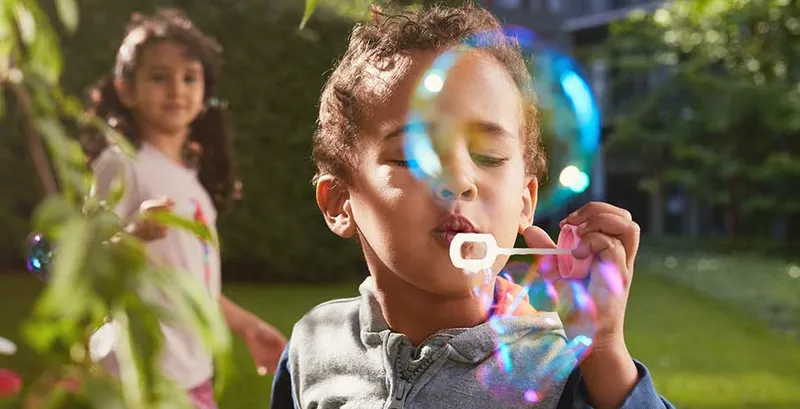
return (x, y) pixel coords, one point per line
(483, 156)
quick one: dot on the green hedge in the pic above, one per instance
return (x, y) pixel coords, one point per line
(273, 74)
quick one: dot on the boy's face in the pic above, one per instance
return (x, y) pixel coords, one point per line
(405, 224)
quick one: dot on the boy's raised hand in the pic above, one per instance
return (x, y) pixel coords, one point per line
(608, 243)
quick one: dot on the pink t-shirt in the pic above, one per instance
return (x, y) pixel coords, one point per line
(152, 176)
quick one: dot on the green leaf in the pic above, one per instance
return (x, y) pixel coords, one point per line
(130, 374)
(119, 140)
(68, 13)
(172, 219)
(311, 5)
(197, 310)
(103, 393)
(67, 295)
(40, 334)
(107, 223)
(25, 23)
(44, 54)
(68, 159)
(52, 213)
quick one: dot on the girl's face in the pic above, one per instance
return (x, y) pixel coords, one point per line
(167, 92)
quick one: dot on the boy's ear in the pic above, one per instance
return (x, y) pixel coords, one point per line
(530, 196)
(124, 92)
(333, 199)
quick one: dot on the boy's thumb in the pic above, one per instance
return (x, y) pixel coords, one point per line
(538, 238)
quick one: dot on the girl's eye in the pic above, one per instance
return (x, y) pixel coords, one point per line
(401, 163)
(159, 78)
(190, 79)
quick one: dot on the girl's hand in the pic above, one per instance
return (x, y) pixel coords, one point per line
(266, 345)
(143, 227)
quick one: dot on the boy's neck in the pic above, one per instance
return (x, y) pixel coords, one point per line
(418, 314)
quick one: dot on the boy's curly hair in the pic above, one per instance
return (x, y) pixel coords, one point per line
(344, 101)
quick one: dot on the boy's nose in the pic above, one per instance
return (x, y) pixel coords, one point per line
(455, 183)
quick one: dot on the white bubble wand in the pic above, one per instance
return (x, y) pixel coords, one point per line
(492, 251)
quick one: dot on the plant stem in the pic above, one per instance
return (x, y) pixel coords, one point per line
(38, 154)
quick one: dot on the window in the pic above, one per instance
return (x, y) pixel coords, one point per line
(508, 4)
(599, 80)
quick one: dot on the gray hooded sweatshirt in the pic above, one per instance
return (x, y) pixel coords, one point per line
(342, 354)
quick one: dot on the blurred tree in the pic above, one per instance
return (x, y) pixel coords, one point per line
(720, 117)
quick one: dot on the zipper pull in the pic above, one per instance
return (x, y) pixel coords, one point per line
(399, 398)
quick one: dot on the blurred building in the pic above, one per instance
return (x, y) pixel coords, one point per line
(583, 25)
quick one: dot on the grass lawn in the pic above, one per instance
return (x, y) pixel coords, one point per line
(702, 352)
(767, 287)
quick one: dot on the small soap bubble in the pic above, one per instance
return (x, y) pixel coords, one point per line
(40, 256)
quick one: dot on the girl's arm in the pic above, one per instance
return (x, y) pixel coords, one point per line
(237, 317)
(264, 341)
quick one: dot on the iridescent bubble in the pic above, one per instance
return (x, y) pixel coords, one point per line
(570, 117)
(527, 368)
(40, 256)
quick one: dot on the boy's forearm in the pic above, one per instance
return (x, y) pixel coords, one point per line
(610, 375)
(237, 317)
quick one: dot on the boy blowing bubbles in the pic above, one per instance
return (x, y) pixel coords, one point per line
(417, 335)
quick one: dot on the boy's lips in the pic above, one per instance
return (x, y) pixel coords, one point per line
(450, 226)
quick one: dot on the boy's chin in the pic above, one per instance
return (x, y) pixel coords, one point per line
(452, 282)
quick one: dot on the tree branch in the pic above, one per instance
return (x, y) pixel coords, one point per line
(38, 154)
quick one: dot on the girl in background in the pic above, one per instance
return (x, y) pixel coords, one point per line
(162, 97)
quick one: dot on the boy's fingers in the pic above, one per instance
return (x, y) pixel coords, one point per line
(591, 209)
(609, 249)
(535, 237)
(617, 226)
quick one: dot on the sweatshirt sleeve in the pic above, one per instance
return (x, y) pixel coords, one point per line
(281, 397)
(642, 396)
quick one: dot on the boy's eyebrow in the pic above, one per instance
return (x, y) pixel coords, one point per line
(490, 128)
(404, 130)
(486, 127)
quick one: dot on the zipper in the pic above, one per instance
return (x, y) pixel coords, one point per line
(406, 378)
(399, 400)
